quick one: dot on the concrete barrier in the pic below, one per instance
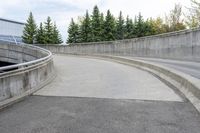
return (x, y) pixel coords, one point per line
(181, 45)
(33, 69)
(20, 53)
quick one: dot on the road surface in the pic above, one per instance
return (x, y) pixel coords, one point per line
(96, 96)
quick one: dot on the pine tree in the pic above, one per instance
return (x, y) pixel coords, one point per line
(48, 31)
(85, 29)
(102, 27)
(30, 30)
(40, 37)
(109, 27)
(129, 29)
(56, 35)
(73, 32)
(149, 28)
(120, 27)
(140, 26)
(96, 26)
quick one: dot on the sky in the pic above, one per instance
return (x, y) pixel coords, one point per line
(61, 11)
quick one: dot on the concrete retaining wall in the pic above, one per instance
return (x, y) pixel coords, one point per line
(182, 45)
(19, 53)
(26, 79)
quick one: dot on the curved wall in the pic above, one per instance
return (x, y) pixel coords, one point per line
(181, 45)
(35, 68)
(19, 53)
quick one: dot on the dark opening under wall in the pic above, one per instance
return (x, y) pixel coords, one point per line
(2, 63)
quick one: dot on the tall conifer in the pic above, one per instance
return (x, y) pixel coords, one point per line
(109, 27)
(48, 31)
(40, 37)
(56, 35)
(96, 26)
(85, 29)
(73, 32)
(30, 30)
(120, 27)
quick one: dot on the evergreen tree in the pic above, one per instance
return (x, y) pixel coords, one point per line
(85, 29)
(149, 29)
(120, 27)
(140, 26)
(56, 35)
(102, 27)
(73, 32)
(96, 26)
(129, 29)
(40, 37)
(48, 31)
(109, 27)
(30, 30)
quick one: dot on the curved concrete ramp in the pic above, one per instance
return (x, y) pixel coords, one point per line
(84, 77)
(96, 96)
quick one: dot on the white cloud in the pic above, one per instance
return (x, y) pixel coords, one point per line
(148, 8)
(84, 4)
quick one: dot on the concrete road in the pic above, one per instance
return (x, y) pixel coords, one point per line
(188, 67)
(96, 96)
(84, 77)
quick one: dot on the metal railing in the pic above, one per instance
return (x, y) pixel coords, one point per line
(11, 39)
(8, 41)
(26, 64)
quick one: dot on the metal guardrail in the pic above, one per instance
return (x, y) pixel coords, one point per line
(26, 64)
(9, 41)
(14, 40)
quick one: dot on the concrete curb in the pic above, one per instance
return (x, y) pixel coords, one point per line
(186, 84)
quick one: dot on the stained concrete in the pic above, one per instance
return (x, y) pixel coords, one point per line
(39, 114)
(83, 77)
